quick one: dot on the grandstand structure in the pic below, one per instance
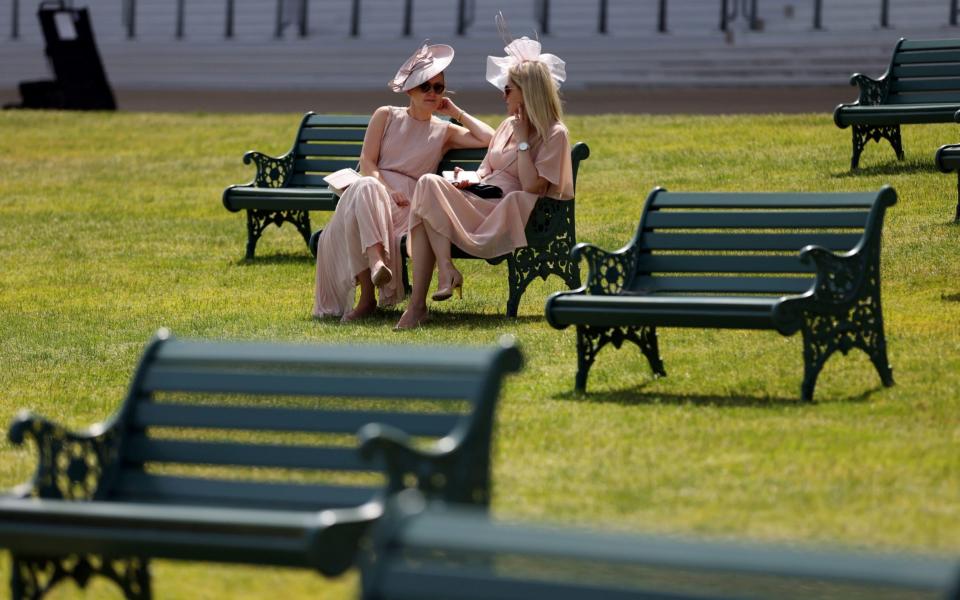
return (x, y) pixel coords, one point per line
(274, 45)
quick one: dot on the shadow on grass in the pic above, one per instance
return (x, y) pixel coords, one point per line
(275, 259)
(636, 396)
(950, 297)
(440, 320)
(897, 168)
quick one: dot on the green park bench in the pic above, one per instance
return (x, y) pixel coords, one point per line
(782, 261)
(948, 161)
(247, 453)
(287, 188)
(427, 551)
(921, 85)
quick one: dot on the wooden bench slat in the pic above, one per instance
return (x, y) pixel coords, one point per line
(315, 149)
(143, 449)
(929, 56)
(332, 135)
(747, 241)
(286, 419)
(307, 181)
(337, 121)
(323, 165)
(908, 45)
(762, 200)
(136, 486)
(921, 97)
(719, 285)
(925, 85)
(757, 219)
(908, 71)
(661, 263)
(412, 386)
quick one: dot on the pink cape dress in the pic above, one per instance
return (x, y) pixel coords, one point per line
(366, 215)
(489, 228)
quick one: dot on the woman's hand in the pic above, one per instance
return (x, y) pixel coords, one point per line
(399, 198)
(448, 108)
(457, 182)
(521, 125)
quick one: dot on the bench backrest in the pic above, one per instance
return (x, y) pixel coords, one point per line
(432, 553)
(328, 143)
(924, 72)
(747, 243)
(264, 425)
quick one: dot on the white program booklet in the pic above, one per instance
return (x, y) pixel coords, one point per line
(468, 176)
(341, 180)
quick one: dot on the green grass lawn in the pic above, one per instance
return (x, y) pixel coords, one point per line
(111, 226)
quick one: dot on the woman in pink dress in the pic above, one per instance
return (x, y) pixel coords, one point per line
(528, 157)
(361, 244)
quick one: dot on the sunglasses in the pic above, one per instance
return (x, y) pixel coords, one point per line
(426, 86)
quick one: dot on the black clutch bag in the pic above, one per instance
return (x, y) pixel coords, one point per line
(485, 191)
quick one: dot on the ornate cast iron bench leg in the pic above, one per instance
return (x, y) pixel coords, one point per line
(32, 578)
(864, 133)
(859, 327)
(591, 339)
(258, 220)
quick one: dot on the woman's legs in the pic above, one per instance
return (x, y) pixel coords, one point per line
(448, 277)
(423, 262)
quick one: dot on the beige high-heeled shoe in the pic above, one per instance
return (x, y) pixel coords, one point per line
(380, 274)
(446, 292)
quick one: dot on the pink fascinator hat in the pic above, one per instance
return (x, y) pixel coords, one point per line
(425, 64)
(520, 51)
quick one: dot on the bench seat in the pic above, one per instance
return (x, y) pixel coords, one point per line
(278, 199)
(777, 261)
(894, 114)
(721, 312)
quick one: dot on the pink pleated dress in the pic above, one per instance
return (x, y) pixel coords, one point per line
(490, 227)
(366, 215)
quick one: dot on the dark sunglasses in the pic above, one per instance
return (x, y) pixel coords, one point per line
(426, 86)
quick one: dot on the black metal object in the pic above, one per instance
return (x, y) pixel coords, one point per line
(228, 27)
(542, 15)
(80, 82)
(355, 18)
(818, 14)
(407, 18)
(885, 13)
(662, 16)
(953, 12)
(466, 12)
(730, 12)
(15, 20)
(602, 18)
(130, 18)
(180, 19)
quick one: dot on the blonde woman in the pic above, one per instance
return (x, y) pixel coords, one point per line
(361, 244)
(528, 157)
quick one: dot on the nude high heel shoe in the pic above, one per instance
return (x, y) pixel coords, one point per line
(380, 274)
(446, 292)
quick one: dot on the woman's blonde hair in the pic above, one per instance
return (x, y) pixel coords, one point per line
(540, 97)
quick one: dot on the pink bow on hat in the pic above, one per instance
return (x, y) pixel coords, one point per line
(421, 59)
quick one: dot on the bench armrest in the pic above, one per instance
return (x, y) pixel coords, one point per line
(271, 172)
(840, 278)
(71, 465)
(872, 91)
(433, 470)
(608, 272)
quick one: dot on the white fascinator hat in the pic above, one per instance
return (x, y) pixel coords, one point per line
(425, 64)
(520, 51)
